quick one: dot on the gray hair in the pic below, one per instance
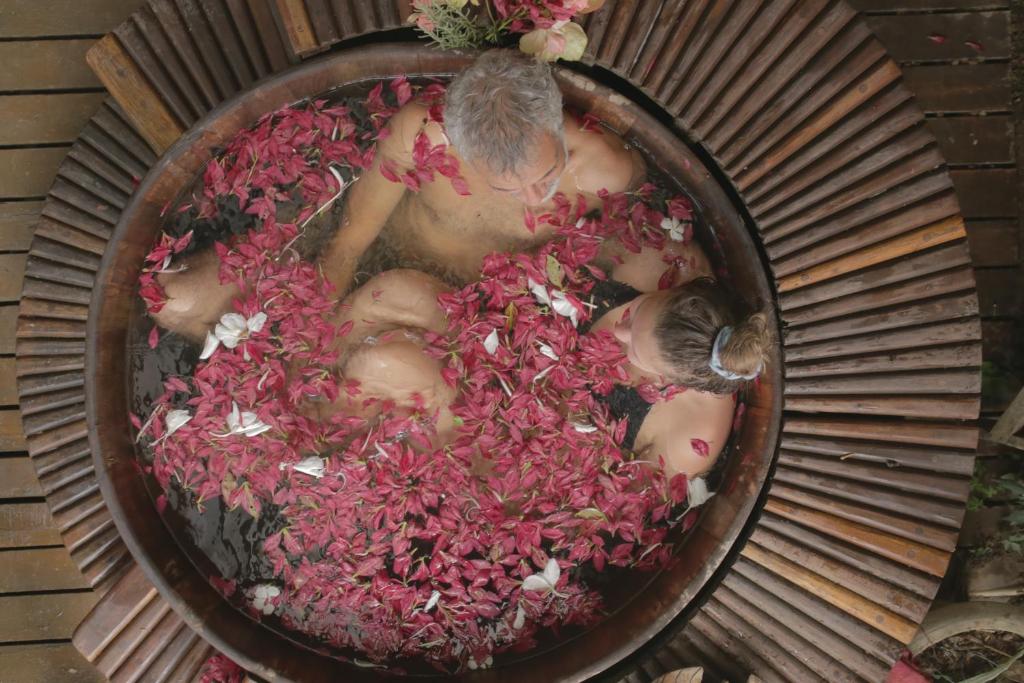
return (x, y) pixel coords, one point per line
(499, 106)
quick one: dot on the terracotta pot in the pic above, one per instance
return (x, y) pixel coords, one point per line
(663, 605)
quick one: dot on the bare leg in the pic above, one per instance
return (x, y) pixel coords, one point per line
(195, 297)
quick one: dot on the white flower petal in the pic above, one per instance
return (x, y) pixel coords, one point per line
(312, 465)
(546, 350)
(540, 292)
(432, 602)
(552, 571)
(520, 619)
(233, 419)
(210, 346)
(584, 428)
(491, 343)
(176, 419)
(697, 492)
(536, 582)
(256, 323)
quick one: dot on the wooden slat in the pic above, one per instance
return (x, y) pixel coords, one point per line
(775, 657)
(813, 654)
(959, 88)
(919, 202)
(929, 236)
(907, 37)
(27, 618)
(28, 172)
(26, 524)
(935, 358)
(297, 26)
(915, 267)
(870, 641)
(135, 93)
(855, 553)
(47, 662)
(873, 495)
(888, 6)
(891, 456)
(893, 625)
(923, 558)
(890, 431)
(38, 569)
(927, 484)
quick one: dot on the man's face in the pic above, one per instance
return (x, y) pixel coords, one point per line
(537, 180)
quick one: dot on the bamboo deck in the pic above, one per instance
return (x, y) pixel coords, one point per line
(47, 93)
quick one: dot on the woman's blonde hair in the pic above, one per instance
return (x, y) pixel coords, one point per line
(691, 323)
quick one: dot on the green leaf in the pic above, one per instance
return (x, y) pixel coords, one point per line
(591, 513)
(555, 273)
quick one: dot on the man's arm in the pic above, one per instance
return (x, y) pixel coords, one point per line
(372, 198)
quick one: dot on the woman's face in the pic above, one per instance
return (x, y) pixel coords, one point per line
(636, 333)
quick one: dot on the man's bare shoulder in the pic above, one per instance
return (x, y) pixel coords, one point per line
(403, 127)
(602, 160)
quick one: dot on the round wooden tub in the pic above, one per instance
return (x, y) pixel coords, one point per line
(663, 606)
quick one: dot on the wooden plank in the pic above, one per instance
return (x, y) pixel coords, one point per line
(46, 119)
(27, 618)
(26, 524)
(862, 559)
(30, 18)
(960, 88)
(12, 272)
(136, 95)
(47, 662)
(8, 325)
(994, 242)
(8, 383)
(855, 632)
(28, 172)
(926, 5)
(1000, 292)
(17, 476)
(945, 36)
(38, 569)
(929, 236)
(891, 431)
(11, 437)
(909, 553)
(297, 26)
(974, 139)
(17, 224)
(986, 192)
(45, 65)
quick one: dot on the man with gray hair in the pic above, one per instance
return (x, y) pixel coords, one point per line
(506, 128)
(516, 149)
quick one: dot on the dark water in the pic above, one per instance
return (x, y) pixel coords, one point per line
(227, 543)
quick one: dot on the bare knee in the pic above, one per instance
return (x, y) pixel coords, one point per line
(400, 297)
(195, 297)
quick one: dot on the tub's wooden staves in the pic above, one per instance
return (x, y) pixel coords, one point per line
(809, 119)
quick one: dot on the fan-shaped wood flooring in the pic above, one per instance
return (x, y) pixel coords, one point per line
(807, 116)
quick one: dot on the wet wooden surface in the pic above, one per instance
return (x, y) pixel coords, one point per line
(954, 56)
